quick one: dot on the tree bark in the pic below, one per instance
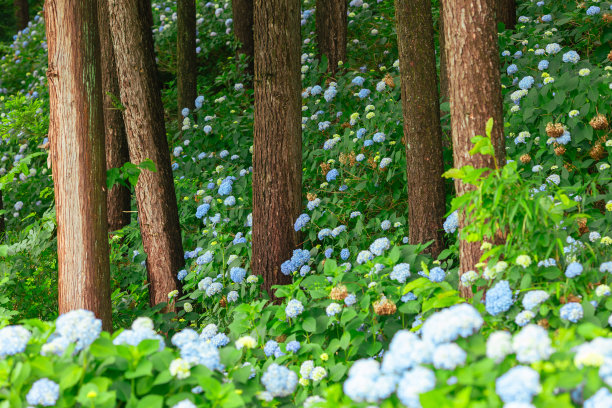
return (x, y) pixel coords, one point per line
(277, 155)
(76, 132)
(242, 11)
(475, 94)
(421, 109)
(22, 13)
(442, 56)
(506, 13)
(331, 23)
(187, 68)
(118, 201)
(130, 22)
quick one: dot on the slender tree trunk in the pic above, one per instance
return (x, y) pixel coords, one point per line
(76, 132)
(331, 23)
(2, 225)
(22, 13)
(443, 68)
(117, 154)
(243, 29)
(475, 94)
(187, 68)
(277, 156)
(506, 13)
(421, 108)
(130, 22)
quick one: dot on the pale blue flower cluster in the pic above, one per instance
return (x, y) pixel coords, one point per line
(532, 344)
(447, 325)
(602, 398)
(512, 69)
(332, 175)
(574, 269)
(526, 83)
(299, 258)
(77, 326)
(271, 348)
(533, 299)
(364, 256)
(572, 312)
(379, 246)
(202, 349)
(294, 308)
(571, 56)
(451, 223)
(437, 274)
(593, 10)
(367, 383)
(237, 274)
(13, 340)
(142, 329)
(519, 384)
(499, 298)
(279, 380)
(43, 392)
(400, 272)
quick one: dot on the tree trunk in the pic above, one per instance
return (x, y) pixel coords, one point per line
(76, 132)
(22, 13)
(243, 29)
(475, 94)
(2, 226)
(421, 109)
(277, 134)
(118, 201)
(506, 13)
(442, 56)
(331, 22)
(187, 68)
(130, 22)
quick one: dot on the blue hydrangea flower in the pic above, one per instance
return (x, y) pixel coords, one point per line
(593, 10)
(574, 269)
(350, 300)
(270, 348)
(437, 274)
(279, 380)
(232, 296)
(316, 90)
(78, 326)
(214, 288)
(186, 403)
(366, 382)
(512, 69)
(43, 392)
(542, 65)
(237, 274)
(328, 252)
(519, 384)
(301, 222)
(364, 256)
(294, 308)
(344, 254)
(205, 259)
(385, 225)
(185, 112)
(571, 56)
(527, 82)
(293, 346)
(447, 325)
(202, 352)
(499, 298)
(332, 175)
(358, 80)
(553, 48)
(448, 356)
(572, 312)
(400, 272)
(547, 18)
(379, 246)
(333, 309)
(364, 93)
(532, 344)
(13, 340)
(605, 267)
(451, 223)
(379, 137)
(182, 274)
(533, 299)
(413, 383)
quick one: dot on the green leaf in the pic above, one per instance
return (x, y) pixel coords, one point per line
(489, 127)
(151, 401)
(309, 324)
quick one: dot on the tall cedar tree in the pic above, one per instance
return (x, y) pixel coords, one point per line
(22, 13)
(76, 132)
(187, 68)
(277, 154)
(506, 13)
(243, 29)
(330, 23)
(130, 22)
(421, 108)
(118, 201)
(475, 95)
